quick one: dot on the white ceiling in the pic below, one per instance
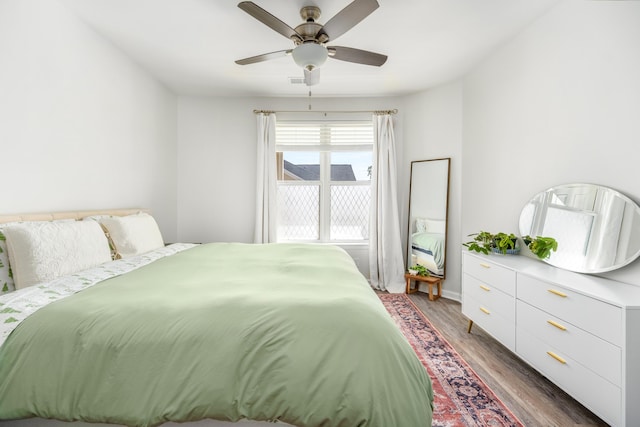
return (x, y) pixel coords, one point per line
(191, 45)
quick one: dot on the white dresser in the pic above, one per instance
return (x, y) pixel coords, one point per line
(580, 331)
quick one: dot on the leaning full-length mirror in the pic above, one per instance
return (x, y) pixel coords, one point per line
(597, 228)
(428, 208)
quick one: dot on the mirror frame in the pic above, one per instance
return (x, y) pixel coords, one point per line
(446, 213)
(599, 194)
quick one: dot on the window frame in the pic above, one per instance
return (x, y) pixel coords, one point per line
(324, 148)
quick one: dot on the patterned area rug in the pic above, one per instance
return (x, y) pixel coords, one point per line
(461, 397)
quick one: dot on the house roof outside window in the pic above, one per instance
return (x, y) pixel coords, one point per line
(312, 172)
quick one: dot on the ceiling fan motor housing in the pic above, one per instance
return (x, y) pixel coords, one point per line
(308, 31)
(310, 28)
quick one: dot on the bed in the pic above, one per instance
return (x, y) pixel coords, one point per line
(218, 333)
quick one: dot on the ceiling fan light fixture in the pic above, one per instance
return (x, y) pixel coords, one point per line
(310, 55)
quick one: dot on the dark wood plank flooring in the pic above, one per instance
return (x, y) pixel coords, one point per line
(530, 396)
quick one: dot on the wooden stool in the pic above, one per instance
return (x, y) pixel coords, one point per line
(429, 280)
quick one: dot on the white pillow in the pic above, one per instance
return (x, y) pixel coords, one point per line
(43, 251)
(426, 225)
(421, 225)
(133, 234)
(6, 275)
(114, 252)
(436, 225)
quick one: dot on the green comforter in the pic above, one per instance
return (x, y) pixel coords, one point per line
(224, 331)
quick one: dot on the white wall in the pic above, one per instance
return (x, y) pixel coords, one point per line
(558, 104)
(82, 126)
(216, 169)
(433, 129)
(217, 160)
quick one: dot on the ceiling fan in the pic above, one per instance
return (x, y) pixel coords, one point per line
(310, 37)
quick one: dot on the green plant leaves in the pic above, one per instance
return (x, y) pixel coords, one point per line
(484, 242)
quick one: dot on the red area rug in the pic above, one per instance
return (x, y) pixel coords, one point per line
(461, 397)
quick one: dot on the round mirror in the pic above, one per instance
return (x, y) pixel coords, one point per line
(597, 228)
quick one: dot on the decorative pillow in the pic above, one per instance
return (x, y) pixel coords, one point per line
(421, 225)
(112, 247)
(133, 234)
(43, 251)
(6, 277)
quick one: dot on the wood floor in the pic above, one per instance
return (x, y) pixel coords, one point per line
(529, 395)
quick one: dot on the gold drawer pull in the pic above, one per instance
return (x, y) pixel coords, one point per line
(557, 325)
(482, 264)
(558, 358)
(560, 294)
(484, 310)
(485, 288)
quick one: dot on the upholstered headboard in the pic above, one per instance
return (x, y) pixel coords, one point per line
(50, 216)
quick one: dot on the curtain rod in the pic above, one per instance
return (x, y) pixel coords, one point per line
(394, 111)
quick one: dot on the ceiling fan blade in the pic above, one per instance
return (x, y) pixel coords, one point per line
(348, 17)
(263, 57)
(358, 56)
(312, 78)
(268, 19)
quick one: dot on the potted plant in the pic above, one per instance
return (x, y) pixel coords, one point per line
(541, 246)
(505, 243)
(482, 242)
(419, 270)
(486, 242)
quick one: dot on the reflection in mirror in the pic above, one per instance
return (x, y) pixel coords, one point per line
(597, 228)
(428, 206)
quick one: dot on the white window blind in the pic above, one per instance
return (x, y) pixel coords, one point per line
(320, 136)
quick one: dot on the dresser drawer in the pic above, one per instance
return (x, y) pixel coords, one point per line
(599, 318)
(599, 356)
(491, 321)
(490, 273)
(490, 297)
(593, 391)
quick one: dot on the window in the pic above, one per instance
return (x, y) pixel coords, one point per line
(324, 175)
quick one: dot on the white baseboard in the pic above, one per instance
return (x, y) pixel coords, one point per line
(445, 293)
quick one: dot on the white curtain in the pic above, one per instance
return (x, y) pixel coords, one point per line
(266, 191)
(385, 244)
